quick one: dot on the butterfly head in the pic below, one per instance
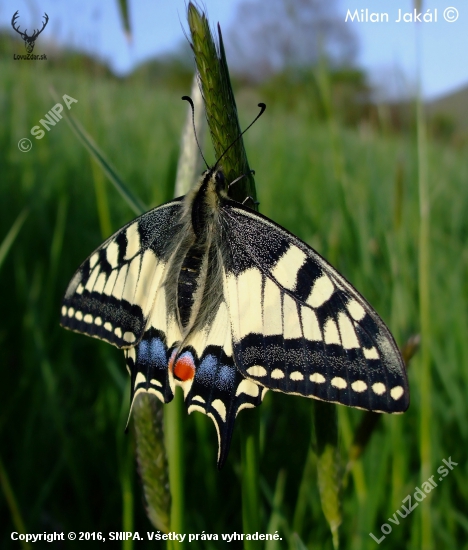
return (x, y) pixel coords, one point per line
(221, 187)
(214, 182)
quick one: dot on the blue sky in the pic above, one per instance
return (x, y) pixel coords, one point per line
(387, 50)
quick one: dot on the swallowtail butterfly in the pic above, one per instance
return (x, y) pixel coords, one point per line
(207, 294)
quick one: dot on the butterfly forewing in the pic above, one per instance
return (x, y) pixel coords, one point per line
(112, 293)
(298, 326)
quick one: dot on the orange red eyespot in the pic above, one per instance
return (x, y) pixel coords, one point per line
(184, 368)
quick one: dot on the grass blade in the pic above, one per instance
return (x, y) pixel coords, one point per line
(11, 235)
(424, 299)
(328, 464)
(13, 505)
(102, 202)
(152, 459)
(220, 105)
(276, 517)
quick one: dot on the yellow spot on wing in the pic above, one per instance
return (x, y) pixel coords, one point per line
(110, 282)
(246, 291)
(310, 325)
(245, 405)
(195, 407)
(100, 283)
(285, 270)
(93, 260)
(133, 241)
(112, 254)
(257, 370)
(292, 325)
(277, 374)
(272, 321)
(247, 387)
(356, 311)
(220, 407)
(347, 332)
(339, 382)
(359, 386)
(140, 378)
(396, 392)
(198, 398)
(378, 388)
(321, 291)
(131, 280)
(92, 279)
(370, 353)
(120, 283)
(150, 277)
(129, 337)
(331, 332)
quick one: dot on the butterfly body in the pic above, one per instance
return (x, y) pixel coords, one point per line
(206, 294)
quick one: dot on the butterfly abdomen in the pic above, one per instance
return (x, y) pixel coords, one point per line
(188, 282)
(196, 266)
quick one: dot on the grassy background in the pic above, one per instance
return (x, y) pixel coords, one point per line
(350, 193)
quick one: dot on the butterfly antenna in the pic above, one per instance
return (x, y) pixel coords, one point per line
(262, 110)
(189, 99)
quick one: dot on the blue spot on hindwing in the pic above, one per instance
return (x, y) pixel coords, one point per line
(206, 372)
(226, 377)
(158, 353)
(212, 373)
(152, 353)
(143, 352)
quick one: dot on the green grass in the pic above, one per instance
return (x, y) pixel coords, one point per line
(66, 463)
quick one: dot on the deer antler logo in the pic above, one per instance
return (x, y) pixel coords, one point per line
(29, 41)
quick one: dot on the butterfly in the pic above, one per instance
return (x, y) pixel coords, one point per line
(204, 293)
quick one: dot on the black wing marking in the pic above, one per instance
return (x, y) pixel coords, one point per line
(111, 294)
(298, 326)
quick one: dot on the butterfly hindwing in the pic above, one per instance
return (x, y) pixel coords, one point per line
(111, 295)
(220, 391)
(298, 326)
(202, 366)
(147, 364)
(212, 384)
